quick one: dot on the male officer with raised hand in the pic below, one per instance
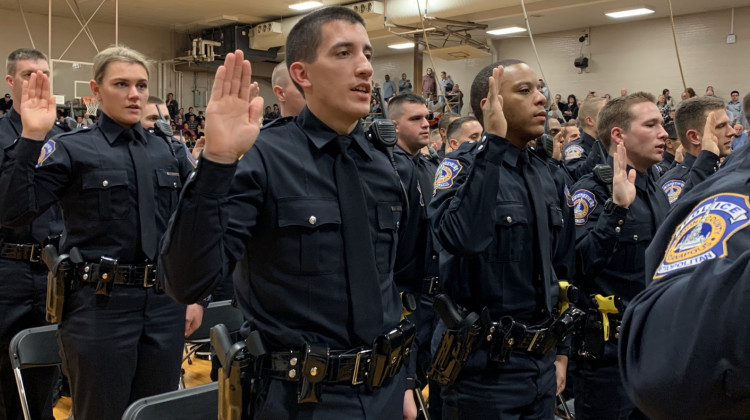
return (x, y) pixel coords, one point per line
(501, 220)
(313, 207)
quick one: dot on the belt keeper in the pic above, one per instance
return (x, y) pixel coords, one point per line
(314, 367)
(106, 276)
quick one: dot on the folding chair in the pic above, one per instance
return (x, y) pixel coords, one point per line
(199, 402)
(221, 312)
(34, 347)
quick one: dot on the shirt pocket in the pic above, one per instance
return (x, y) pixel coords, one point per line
(631, 247)
(105, 194)
(169, 185)
(389, 216)
(309, 240)
(511, 221)
(556, 220)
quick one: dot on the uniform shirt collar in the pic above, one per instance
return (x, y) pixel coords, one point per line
(112, 130)
(320, 134)
(15, 119)
(587, 140)
(641, 179)
(688, 160)
(512, 155)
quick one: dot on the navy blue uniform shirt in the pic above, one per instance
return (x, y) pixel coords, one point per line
(483, 216)
(91, 174)
(687, 174)
(685, 349)
(279, 204)
(581, 155)
(48, 223)
(611, 245)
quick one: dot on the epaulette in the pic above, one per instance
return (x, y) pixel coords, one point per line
(77, 130)
(277, 122)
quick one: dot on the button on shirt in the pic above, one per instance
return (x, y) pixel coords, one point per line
(611, 246)
(91, 174)
(48, 223)
(483, 217)
(278, 209)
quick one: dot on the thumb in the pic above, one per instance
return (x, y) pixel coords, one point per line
(631, 176)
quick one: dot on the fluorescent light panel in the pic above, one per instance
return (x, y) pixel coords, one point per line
(630, 13)
(402, 46)
(506, 31)
(305, 5)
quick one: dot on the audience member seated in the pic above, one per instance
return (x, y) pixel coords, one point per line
(571, 109)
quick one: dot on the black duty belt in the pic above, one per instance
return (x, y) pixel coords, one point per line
(346, 367)
(140, 275)
(27, 252)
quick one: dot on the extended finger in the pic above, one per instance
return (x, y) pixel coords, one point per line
(239, 60)
(216, 90)
(245, 84)
(229, 61)
(710, 124)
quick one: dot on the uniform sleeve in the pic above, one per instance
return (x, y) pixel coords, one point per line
(217, 211)
(684, 349)
(34, 176)
(579, 167)
(597, 230)
(461, 210)
(703, 167)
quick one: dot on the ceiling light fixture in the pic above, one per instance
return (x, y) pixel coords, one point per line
(506, 31)
(305, 5)
(630, 13)
(402, 46)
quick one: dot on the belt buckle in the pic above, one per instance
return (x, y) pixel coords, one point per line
(31, 255)
(355, 374)
(146, 270)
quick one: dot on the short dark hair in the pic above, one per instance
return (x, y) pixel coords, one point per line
(618, 112)
(481, 85)
(155, 100)
(734, 91)
(691, 115)
(445, 120)
(305, 37)
(22, 54)
(396, 104)
(457, 125)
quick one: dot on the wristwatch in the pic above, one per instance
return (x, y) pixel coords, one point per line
(610, 206)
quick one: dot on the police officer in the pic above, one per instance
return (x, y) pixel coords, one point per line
(684, 349)
(581, 155)
(500, 219)
(117, 186)
(670, 148)
(416, 266)
(287, 208)
(23, 277)
(701, 153)
(613, 229)
(290, 98)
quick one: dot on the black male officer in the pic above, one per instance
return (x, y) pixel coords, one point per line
(313, 208)
(23, 277)
(684, 347)
(615, 221)
(501, 220)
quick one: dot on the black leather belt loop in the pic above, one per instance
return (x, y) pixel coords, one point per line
(432, 286)
(27, 252)
(345, 367)
(140, 275)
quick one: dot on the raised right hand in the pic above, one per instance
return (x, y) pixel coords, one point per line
(494, 119)
(623, 181)
(710, 141)
(38, 108)
(233, 112)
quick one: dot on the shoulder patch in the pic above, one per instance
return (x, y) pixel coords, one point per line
(46, 152)
(568, 197)
(584, 202)
(673, 189)
(703, 235)
(446, 173)
(573, 152)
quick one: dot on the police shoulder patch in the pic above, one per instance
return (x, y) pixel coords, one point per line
(673, 189)
(584, 202)
(573, 152)
(446, 173)
(568, 197)
(46, 152)
(703, 235)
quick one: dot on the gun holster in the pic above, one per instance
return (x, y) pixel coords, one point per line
(56, 286)
(313, 370)
(233, 377)
(593, 334)
(454, 350)
(105, 275)
(389, 352)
